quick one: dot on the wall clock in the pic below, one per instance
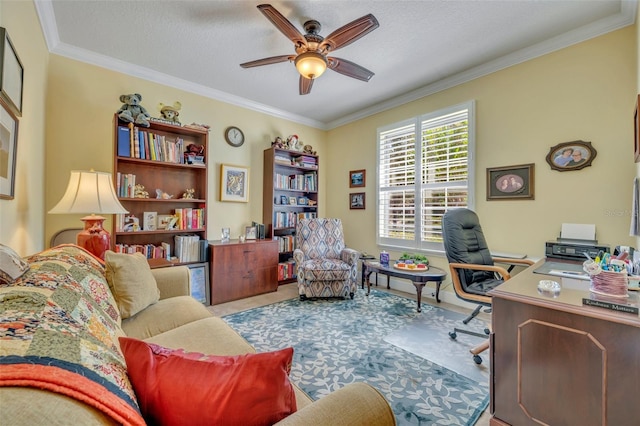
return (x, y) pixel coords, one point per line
(234, 136)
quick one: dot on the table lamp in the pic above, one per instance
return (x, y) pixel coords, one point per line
(91, 192)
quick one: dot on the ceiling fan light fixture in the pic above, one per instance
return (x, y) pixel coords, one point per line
(311, 64)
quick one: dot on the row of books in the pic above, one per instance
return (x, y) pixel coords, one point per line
(286, 243)
(306, 161)
(150, 251)
(305, 182)
(286, 270)
(125, 185)
(282, 159)
(290, 219)
(136, 143)
(190, 248)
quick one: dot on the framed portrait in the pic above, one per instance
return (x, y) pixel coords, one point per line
(569, 156)
(293, 201)
(357, 201)
(225, 235)
(200, 282)
(150, 221)
(234, 183)
(636, 132)
(8, 150)
(357, 178)
(250, 233)
(163, 220)
(284, 199)
(511, 182)
(11, 74)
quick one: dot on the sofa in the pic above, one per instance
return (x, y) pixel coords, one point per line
(62, 324)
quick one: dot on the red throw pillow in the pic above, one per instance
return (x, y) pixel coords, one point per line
(175, 387)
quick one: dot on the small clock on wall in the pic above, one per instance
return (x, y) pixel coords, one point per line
(234, 136)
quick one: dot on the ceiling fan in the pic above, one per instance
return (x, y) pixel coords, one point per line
(311, 58)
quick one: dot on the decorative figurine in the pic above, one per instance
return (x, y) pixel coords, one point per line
(139, 191)
(188, 195)
(161, 195)
(170, 113)
(131, 227)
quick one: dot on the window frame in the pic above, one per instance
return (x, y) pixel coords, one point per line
(417, 244)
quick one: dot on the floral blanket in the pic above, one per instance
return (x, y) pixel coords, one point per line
(59, 327)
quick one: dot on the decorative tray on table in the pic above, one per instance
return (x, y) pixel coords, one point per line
(419, 267)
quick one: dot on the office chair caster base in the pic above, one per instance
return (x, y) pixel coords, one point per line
(477, 359)
(303, 297)
(453, 335)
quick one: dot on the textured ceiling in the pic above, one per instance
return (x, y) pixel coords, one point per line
(420, 47)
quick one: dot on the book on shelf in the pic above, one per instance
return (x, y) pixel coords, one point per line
(124, 147)
(187, 248)
(147, 145)
(287, 270)
(286, 243)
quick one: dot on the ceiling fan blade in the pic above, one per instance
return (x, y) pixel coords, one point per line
(349, 33)
(305, 85)
(268, 61)
(350, 69)
(282, 24)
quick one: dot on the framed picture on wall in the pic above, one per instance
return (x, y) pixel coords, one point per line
(511, 182)
(234, 183)
(11, 74)
(636, 132)
(574, 155)
(357, 201)
(357, 178)
(8, 149)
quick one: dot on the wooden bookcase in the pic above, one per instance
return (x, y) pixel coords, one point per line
(290, 176)
(161, 169)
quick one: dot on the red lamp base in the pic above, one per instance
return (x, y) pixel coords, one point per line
(94, 238)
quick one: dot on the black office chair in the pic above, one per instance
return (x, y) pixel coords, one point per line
(473, 269)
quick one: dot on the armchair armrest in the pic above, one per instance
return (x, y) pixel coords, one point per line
(455, 278)
(350, 256)
(173, 281)
(357, 404)
(511, 261)
(298, 256)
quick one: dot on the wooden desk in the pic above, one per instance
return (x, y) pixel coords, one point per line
(557, 362)
(419, 279)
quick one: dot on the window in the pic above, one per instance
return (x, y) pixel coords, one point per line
(425, 167)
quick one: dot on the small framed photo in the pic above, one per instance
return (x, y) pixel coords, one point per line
(11, 74)
(569, 156)
(225, 236)
(511, 182)
(284, 199)
(357, 178)
(357, 201)
(302, 201)
(200, 289)
(250, 233)
(293, 201)
(234, 183)
(150, 221)
(8, 150)
(163, 220)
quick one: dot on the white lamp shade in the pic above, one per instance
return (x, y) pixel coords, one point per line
(89, 192)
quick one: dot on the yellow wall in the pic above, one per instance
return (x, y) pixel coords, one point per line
(582, 92)
(22, 219)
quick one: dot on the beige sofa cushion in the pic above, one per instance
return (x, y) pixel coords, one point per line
(131, 282)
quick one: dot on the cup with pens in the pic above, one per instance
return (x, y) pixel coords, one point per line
(608, 275)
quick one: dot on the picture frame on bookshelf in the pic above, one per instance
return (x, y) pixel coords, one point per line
(357, 201)
(284, 199)
(8, 149)
(234, 183)
(250, 233)
(293, 201)
(302, 201)
(150, 221)
(357, 178)
(163, 221)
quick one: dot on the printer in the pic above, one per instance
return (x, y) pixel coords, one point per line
(577, 250)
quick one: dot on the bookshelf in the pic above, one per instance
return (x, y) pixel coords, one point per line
(290, 188)
(170, 223)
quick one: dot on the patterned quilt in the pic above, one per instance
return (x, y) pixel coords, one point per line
(58, 331)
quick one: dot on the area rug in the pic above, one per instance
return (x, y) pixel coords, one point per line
(337, 342)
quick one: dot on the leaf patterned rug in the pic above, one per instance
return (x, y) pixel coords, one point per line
(337, 342)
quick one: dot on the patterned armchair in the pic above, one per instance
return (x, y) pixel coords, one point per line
(325, 267)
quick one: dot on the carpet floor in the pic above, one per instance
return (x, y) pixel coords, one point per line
(337, 342)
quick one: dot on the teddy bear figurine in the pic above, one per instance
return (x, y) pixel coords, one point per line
(308, 149)
(170, 112)
(131, 111)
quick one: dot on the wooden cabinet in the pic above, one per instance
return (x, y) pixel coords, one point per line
(240, 270)
(154, 157)
(290, 192)
(557, 362)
